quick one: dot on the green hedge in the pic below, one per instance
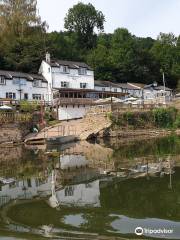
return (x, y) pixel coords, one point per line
(160, 117)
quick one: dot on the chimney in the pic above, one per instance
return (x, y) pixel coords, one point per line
(48, 57)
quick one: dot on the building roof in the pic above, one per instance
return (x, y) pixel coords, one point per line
(138, 85)
(70, 64)
(28, 76)
(100, 83)
(158, 88)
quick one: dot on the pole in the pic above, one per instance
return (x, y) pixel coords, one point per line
(164, 88)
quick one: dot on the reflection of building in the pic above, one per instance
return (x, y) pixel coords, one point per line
(80, 195)
(75, 169)
(25, 189)
(72, 161)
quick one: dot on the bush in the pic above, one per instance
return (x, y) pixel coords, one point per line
(161, 118)
(177, 122)
(29, 107)
(164, 118)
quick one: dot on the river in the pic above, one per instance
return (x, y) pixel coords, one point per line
(109, 189)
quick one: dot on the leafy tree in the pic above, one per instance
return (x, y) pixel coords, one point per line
(22, 35)
(17, 15)
(84, 19)
(164, 51)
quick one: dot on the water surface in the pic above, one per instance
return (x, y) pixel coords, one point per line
(84, 190)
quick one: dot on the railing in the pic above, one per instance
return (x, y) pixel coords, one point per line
(120, 107)
(73, 101)
(11, 117)
(135, 107)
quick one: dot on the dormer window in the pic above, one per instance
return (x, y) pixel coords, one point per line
(82, 71)
(2, 80)
(65, 69)
(37, 83)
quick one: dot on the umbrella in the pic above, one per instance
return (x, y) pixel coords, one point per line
(5, 107)
(130, 99)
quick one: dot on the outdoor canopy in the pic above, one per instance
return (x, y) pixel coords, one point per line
(5, 107)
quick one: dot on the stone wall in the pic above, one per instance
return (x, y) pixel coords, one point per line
(13, 132)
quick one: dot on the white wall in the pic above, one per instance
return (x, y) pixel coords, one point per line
(72, 161)
(28, 88)
(19, 189)
(55, 76)
(73, 78)
(45, 70)
(80, 195)
(108, 89)
(70, 112)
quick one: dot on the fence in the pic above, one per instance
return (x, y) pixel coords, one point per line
(60, 130)
(120, 107)
(11, 117)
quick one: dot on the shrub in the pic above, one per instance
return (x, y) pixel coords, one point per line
(164, 118)
(30, 107)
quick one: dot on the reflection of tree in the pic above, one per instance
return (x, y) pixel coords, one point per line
(17, 162)
(141, 198)
(156, 147)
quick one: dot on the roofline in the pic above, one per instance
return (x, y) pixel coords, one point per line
(9, 75)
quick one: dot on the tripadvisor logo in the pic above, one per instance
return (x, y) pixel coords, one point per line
(139, 231)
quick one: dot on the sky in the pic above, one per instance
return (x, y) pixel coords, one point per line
(143, 18)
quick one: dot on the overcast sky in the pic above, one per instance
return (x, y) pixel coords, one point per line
(141, 17)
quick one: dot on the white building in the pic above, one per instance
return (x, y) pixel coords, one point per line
(24, 189)
(62, 74)
(126, 88)
(70, 86)
(80, 195)
(22, 86)
(161, 93)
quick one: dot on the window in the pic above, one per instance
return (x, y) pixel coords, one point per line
(83, 85)
(103, 89)
(115, 89)
(65, 69)
(36, 97)
(26, 96)
(37, 83)
(82, 71)
(2, 80)
(11, 95)
(69, 191)
(64, 84)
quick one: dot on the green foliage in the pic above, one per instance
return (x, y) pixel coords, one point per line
(177, 122)
(161, 118)
(83, 19)
(22, 36)
(29, 107)
(164, 118)
(118, 57)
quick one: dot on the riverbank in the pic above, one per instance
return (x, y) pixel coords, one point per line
(13, 133)
(135, 134)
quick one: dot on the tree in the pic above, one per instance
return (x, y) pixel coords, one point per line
(22, 35)
(165, 52)
(16, 16)
(83, 19)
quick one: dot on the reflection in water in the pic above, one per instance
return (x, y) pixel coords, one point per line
(89, 189)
